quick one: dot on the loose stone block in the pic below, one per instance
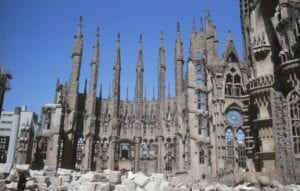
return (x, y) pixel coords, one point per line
(120, 187)
(12, 186)
(140, 179)
(115, 177)
(22, 167)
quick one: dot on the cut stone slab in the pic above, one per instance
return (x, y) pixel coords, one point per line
(13, 175)
(139, 189)
(2, 185)
(56, 181)
(130, 175)
(120, 187)
(30, 184)
(66, 178)
(140, 179)
(182, 188)
(115, 177)
(212, 187)
(90, 177)
(12, 186)
(87, 186)
(22, 167)
(164, 186)
(102, 186)
(63, 171)
(152, 186)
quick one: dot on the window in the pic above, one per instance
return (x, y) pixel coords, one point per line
(44, 147)
(96, 150)
(200, 101)
(169, 154)
(294, 107)
(124, 147)
(7, 122)
(201, 125)
(241, 149)
(201, 155)
(200, 75)
(233, 84)
(229, 144)
(80, 150)
(47, 120)
(4, 142)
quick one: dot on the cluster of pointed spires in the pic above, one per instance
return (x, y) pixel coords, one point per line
(77, 49)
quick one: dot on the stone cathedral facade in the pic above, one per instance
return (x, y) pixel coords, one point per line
(229, 114)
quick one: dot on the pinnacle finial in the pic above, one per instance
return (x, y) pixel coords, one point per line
(153, 93)
(178, 27)
(145, 96)
(127, 93)
(79, 31)
(207, 13)
(229, 35)
(169, 93)
(161, 38)
(97, 32)
(140, 41)
(118, 37)
(109, 91)
(118, 41)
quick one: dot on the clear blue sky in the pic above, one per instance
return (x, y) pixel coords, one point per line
(36, 40)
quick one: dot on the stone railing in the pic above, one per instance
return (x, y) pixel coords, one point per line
(260, 82)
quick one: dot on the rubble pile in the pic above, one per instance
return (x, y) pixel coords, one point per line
(23, 178)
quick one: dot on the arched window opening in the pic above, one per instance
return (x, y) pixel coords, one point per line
(294, 104)
(169, 154)
(201, 126)
(241, 149)
(80, 150)
(200, 75)
(229, 146)
(200, 101)
(233, 85)
(237, 79)
(47, 120)
(96, 150)
(201, 155)
(229, 78)
(124, 148)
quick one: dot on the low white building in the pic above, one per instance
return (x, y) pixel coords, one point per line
(16, 135)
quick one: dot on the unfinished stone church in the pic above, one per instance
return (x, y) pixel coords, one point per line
(229, 113)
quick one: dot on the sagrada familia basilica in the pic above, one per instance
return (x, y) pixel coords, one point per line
(229, 114)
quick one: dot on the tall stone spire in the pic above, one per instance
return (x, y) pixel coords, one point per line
(90, 107)
(76, 64)
(139, 80)
(161, 69)
(178, 65)
(116, 78)
(211, 41)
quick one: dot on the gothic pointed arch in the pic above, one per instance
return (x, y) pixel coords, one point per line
(230, 54)
(241, 148)
(294, 115)
(233, 81)
(229, 148)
